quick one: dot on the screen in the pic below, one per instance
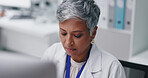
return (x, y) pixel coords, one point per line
(134, 73)
(16, 3)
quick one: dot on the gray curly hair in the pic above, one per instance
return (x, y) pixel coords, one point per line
(86, 10)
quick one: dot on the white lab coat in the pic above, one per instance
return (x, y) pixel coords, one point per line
(100, 64)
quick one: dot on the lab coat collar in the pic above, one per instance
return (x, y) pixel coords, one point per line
(93, 64)
(95, 59)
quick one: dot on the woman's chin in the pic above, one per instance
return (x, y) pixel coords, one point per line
(71, 53)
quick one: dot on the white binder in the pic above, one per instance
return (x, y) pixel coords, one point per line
(111, 13)
(103, 5)
(128, 14)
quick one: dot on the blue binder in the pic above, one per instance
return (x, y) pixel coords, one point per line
(119, 14)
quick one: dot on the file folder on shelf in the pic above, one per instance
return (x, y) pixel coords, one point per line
(103, 5)
(128, 14)
(119, 14)
(111, 13)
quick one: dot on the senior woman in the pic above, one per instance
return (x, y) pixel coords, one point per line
(76, 56)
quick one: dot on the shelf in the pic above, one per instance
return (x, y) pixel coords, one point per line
(124, 43)
(117, 30)
(30, 25)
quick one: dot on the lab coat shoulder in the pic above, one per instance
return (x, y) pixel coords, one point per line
(112, 65)
(109, 59)
(56, 54)
(104, 65)
(53, 52)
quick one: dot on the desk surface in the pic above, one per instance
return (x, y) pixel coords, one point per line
(141, 58)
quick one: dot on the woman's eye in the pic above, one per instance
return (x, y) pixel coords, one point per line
(64, 34)
(78, 36)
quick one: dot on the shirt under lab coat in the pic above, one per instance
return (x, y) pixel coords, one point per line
(100, 64)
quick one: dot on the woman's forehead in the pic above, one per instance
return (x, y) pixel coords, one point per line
(73, 25)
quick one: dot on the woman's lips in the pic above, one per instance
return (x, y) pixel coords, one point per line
(70, 49)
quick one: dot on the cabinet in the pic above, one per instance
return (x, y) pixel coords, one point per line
(126, 44)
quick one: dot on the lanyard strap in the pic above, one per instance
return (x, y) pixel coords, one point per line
(68, 68)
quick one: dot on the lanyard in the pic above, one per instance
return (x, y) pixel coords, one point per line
(68, 68)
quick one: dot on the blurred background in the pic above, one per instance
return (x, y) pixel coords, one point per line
(29, 27)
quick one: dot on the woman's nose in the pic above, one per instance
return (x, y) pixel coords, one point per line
(69, 41)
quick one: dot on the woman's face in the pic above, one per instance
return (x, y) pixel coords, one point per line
(75, 37)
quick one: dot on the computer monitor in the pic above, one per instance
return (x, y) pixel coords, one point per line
(16, 3)
(19, 65)
(27, 70)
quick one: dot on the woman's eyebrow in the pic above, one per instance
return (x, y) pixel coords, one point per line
(72, 31)
(62, 29)
(77, 31)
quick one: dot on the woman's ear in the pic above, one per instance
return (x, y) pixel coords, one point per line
(94, 32)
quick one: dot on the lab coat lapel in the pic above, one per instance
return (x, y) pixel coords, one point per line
(87, 72)
(93, 64)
